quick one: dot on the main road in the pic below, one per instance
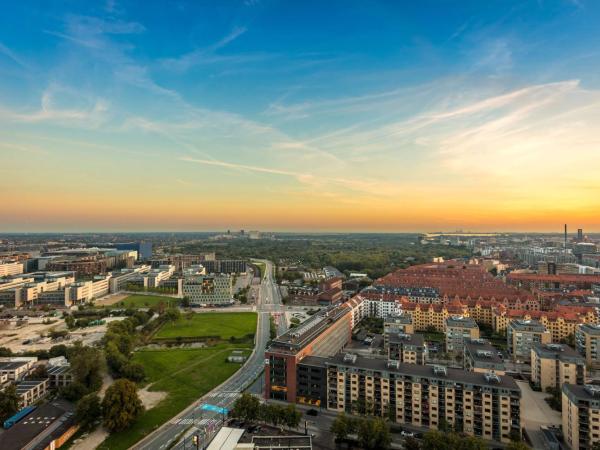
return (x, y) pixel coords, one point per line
(204, 417)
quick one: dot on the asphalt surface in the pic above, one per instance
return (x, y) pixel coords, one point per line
(178, 433)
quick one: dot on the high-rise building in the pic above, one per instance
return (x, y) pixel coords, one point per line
(522, 335)
(587, 338)
(579, 235)
(553, 365)
(580, 415)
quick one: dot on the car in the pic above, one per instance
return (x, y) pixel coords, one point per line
(312, 412)
(405, 433)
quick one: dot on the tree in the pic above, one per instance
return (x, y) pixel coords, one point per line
(517, 445)
(246, 407)
(292, 416)
(9, 402)
(273, 414)
(89, 410)
(410, 443)
(40, 371)
(58, 350)
(73, 391)
(133, 371)
(435, 440)
(374, 434)
(121, 405)
(4, 351)
(342, 426)
(70, 321)
(87, 365)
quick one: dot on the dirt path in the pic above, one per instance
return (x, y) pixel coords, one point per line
(151, 399)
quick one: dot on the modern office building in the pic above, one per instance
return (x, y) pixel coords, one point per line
(587, 339)
(481, 356)
(143, 249)
(581, 415)
(406, 348)
(9, 267)
(553, 365)
(522, 335)
(324, 334)
(227, 266)
(479, 404)
(208, 290)
(459, 329)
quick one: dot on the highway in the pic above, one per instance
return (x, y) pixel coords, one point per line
(196, 420)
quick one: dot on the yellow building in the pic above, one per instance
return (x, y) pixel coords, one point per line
(553, 365)
(481, 404)
(581, 415)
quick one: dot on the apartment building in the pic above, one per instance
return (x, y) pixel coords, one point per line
(401, 323)
(481, 356)
(479, 404)
(208, 289)
(552, 365)
(522, 335)
(587, 339)
(459, 329)
(406, 348)
(428, 316)
(581, 415)
(15, 370)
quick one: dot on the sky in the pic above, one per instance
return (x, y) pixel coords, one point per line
(300, 115)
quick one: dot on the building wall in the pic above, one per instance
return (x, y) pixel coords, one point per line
(10, 268)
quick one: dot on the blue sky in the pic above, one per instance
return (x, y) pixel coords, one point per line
(322, 115)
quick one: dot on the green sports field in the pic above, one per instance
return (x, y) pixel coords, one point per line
(223, 325)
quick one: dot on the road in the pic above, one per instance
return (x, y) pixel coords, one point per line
(178, 432)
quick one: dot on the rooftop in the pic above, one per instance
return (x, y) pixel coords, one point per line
(430, 372)
(590, 328)
(461, 322)
(50, 419)
(558, 351)
(527, 325)
(410, 339)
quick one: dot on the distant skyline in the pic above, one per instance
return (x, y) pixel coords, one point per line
(300, 116)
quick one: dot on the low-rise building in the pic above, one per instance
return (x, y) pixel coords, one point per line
(458, 330)
(581, 415)
(587, 339)
(553, 365)
(31, 391)
(60, 376)
(15, 370)
(10, 267)
(522, 335)
(480, 356)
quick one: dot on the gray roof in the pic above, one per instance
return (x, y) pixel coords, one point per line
(461, 322)
(480, 350)
(590, 328)
(417, 340)
(527, 325)
(415, 370)
(12, 365)
(561, 352)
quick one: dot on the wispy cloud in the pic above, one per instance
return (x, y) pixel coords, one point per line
(4, 50)
(208, 55)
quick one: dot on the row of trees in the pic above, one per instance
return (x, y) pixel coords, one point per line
(372, 434)
(248, 407)
(119, 408)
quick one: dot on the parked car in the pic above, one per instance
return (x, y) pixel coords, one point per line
(312, 412)
(405, 433)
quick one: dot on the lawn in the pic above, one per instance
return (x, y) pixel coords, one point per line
(146, 301)
(224, 325)
(186, 374)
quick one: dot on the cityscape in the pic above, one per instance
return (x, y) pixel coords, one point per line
(279, 225)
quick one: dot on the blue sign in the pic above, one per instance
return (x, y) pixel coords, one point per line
(214, 408)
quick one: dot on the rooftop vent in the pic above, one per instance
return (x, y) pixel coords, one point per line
(404, 336)
(492, 377)
(350, 358)
(393, 364)
(484, 353)
(593, 389)
(440, 370)
(555, 347)
(478, 341)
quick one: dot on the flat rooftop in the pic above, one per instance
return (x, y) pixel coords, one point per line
(558, 351)
(461, 322)
(429, 372)
(480, 350)
(299, 337)
(407, 339)
(35, 428)
(527, 325)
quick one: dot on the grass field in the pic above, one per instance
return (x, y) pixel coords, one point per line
(225, 325)
(186, 374)
(146, 301)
